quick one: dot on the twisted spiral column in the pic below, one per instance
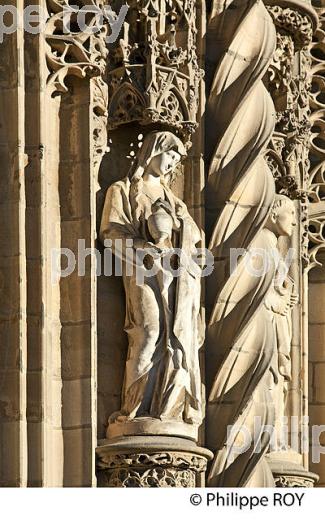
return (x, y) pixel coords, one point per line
(240, 193)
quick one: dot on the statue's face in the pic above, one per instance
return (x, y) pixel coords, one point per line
(286, 220)
(164, 163)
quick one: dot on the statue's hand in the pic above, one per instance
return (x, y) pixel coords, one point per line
(285, 366)
(153, 250)
(157, 251)
(280, 304)
(181, 214)
(181, 211)
(283, 306)
(139, 243)
(294, 298)
(151, 254)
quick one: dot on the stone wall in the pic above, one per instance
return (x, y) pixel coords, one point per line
(63, 346)
(317, 362)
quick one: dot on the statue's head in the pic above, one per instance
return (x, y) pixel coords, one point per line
(160, 153)
(282, 218)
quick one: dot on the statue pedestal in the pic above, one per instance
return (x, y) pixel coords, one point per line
(288, 471)
(151, 461)
(150, 426)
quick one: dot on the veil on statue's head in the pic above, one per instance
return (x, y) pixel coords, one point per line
(155, 143)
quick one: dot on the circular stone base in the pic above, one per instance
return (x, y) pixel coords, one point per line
(290, 474)
(151, 461)
(150, 426)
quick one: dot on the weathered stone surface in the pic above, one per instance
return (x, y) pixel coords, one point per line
(155, 461)
(239, 89)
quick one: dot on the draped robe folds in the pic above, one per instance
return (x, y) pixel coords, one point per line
(281, 363)
(162, 374)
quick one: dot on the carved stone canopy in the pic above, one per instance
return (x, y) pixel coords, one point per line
(153, 74)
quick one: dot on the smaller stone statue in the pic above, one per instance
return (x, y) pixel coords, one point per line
(280, 302)
(248, 392)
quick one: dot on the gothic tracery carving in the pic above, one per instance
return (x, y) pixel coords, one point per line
(288, 20)
(316, 185)
(163, 469)
(289, 83)
(82, 54)
(153, 72)
(73, 52)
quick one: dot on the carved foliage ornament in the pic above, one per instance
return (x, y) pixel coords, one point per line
(71, 51)
(288, 151)
(289, 84)
(155, 477)
(170, 458)
(293, 481)
(163, 469)
(280, 70)
(316, 185)
(290, 21)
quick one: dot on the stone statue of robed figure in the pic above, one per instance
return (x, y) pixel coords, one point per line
(162, 386)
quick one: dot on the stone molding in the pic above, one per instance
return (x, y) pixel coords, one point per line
(288, 474)
(316, 181)
(164, 462)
